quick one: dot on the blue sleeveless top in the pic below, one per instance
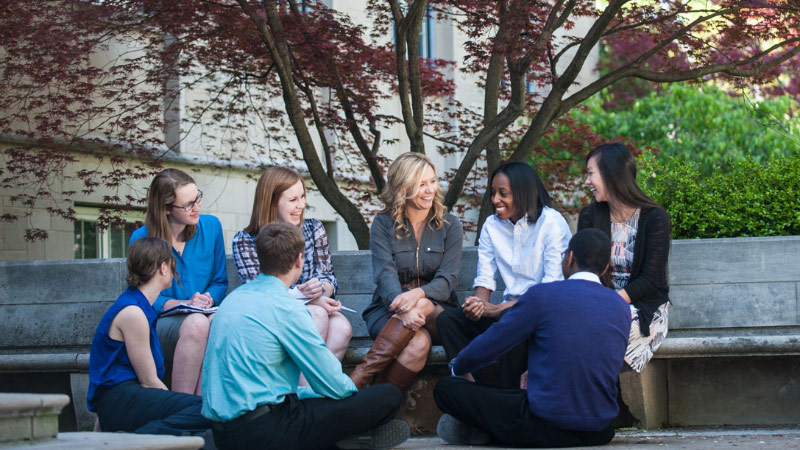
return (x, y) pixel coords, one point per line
(109, 364)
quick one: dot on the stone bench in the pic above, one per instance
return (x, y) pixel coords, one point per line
(734, 339)
(732, 355)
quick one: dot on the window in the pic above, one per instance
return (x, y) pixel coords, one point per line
(93, 242)
(426, 43)
(426, 36)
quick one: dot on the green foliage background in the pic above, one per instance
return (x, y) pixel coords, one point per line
(724, 167)
(702, 125)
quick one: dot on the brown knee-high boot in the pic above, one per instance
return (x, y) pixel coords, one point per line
(398, 375)
(392, 339)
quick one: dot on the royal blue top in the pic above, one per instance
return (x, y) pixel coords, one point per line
(202, 267)
(109, 364)
(578, 333)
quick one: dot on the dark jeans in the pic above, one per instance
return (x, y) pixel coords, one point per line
(457, 331)
(315, 423)
(505, 414)
(132, 408)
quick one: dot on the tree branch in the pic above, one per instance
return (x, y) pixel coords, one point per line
(344, 99)
(732, 68)
(407, 30)
(279, 51)
(552, 104)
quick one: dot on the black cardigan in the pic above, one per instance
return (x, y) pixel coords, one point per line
(647, 287)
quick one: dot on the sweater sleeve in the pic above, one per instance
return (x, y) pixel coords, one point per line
(656, 255)
(585, 218)
(218, 286)
(516, 325)
(384, 268)
(323, 269)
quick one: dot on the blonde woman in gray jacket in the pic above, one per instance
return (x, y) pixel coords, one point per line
(416, 255)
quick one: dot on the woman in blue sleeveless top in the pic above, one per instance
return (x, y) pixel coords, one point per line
(126, 363)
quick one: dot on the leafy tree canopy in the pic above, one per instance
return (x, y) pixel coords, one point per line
(64, 96)
(701, 125)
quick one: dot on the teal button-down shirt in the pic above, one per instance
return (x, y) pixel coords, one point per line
(260, 340)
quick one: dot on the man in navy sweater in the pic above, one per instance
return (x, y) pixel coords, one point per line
(578, 332)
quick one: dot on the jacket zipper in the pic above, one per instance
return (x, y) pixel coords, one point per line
(416, 256)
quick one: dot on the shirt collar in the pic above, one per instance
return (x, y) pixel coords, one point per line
(588, 276)
(522, 222)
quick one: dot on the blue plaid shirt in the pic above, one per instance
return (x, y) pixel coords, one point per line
(316, 263)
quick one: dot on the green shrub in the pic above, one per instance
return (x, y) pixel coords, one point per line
(750, 199)
(703, 125)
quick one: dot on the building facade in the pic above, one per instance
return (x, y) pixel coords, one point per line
(228, 183)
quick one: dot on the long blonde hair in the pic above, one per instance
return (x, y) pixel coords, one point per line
(160, 196)
(402, 184)
(273, 182)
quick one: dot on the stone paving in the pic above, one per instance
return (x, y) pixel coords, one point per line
(108, 441)
(690, 439)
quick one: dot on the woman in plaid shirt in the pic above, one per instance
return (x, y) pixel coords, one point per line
(281, 195)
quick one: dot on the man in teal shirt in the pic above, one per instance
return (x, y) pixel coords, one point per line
(261, 339)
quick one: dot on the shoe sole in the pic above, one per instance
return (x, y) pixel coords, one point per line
(386, 436)
(453, 431)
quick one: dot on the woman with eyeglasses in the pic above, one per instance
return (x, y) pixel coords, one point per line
(173, 214)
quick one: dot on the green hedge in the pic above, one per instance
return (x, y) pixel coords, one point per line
(750, 199)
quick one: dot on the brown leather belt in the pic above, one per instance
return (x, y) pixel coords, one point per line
(415, 283)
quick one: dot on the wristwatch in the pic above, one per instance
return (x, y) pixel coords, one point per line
(450, 365)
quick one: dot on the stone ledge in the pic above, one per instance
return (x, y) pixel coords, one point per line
(13, 405)
(117, 441)
(30, 417)
(722, 346)
(354, 356)
(45, 362)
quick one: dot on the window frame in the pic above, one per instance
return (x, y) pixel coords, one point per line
(91, 214)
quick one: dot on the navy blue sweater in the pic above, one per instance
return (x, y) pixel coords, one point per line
(579, 331)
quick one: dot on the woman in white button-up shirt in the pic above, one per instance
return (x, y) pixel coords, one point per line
(524, 241)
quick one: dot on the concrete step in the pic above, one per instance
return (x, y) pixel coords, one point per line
(30, 417)
(675, 438)
(116, 441)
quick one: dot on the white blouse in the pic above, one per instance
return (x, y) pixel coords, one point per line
(524, 253)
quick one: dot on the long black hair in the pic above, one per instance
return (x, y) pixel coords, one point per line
(527, 189)
(618, 170)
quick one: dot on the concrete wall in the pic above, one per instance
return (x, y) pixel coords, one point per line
(724, 283)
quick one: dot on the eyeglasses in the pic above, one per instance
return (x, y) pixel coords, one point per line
(190, 206)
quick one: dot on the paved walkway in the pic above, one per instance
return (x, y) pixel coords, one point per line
(691, 439)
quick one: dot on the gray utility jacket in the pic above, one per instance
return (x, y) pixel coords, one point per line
(433, 266)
